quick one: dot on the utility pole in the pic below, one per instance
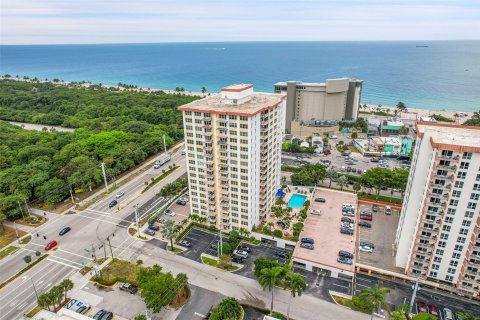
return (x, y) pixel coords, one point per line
(16, 230)
(26, 204)
(110, 245)
(94, 260)
(136, 219)
(104, 250)
(104, 175)
(21, 210)
(164, 144)
(33, 284)
(221, 239)
(415, 288)
(71, 195)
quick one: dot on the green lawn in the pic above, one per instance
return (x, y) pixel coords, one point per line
(349, 304)
(26, 240)
(175, 249)
(7, 235)
(159, 178)
(7, 251)
(34, 311)
(118, 270)
(218, 264)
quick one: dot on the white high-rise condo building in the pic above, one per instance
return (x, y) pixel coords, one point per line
(233, 146)
(437, 238)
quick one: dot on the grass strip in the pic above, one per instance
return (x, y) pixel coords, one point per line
(33, 312)
(7, 251)
(218, 264)
(19, 273)
(159, 178)
(349, 304)
(26, 240)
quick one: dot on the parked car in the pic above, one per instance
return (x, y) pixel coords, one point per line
(322, 200)
(107, 316)
(148, 231)
(113, 203)
(366, 217)
(316, 212)
(308, 240)
(237, 259)
(347, 205)
(345, 254)
(349, 169)
(99, 314)
(344, 260)
(448, 314)
(128, 288)
(181, 202)
(346, 225)
(64, 230)
(388, 210)
(241, 253)
(433, 310)
(374, 160)
(367, 243)
(345, 219)
(282, 254)
(307, 245)
(185, 243)
(364, 224)
(83, 309)
(161, 220)
(119, 194)
(366, 249)
(374, 208)
(184, 151)
(244, 248)
(327, 153)
(346, 231)
(153, 227)
(421, 306)
(169, 212)
(50, 245)
(348, 214)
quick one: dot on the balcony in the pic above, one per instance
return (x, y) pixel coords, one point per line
(447, 167)
(207, 127)
(207, 134)
(222, 142)
(208, 148)
(222, 122)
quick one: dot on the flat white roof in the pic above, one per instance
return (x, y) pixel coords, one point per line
(451, 134)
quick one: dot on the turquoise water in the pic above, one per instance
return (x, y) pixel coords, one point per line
(296, 201)
(444, 75)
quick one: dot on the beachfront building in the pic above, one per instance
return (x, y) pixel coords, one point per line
(395, 146)
(336, 99)
(391, 127)
(233, 146)
(438, 238)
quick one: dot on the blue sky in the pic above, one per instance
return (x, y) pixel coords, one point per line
(118, 21)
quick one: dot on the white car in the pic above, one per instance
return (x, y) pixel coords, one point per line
(119, 194)
(316, 212)
(169, 213)
(366, 249)
(241, 253)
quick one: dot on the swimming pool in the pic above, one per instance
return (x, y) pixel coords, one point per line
(296, 201)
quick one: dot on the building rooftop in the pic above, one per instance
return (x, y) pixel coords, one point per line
(256, 102)
(325, 230)
(451, 134)
(314, 84)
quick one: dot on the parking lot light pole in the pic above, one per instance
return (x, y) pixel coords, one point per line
(33, 284)
(415, 289)
(136, 218)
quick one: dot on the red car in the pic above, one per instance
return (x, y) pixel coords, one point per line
(433, 310)
(366, 217)
(421, 307)
(327, 153)
(51, 245)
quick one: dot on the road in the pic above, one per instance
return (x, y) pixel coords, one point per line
(90, 229)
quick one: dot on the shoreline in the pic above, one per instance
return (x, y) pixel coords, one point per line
(411, 114)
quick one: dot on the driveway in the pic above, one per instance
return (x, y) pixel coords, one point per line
(201, 243)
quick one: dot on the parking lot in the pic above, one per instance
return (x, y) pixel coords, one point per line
(382, 235)
(205, 242)
(181, 213)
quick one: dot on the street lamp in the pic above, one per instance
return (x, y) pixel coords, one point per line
(33, 284)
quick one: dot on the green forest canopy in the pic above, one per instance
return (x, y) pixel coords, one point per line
(119, 128)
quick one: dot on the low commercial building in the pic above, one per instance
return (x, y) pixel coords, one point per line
(324, 229)
(394, 146)
(391, 127)
(336, 99)
(314, 127)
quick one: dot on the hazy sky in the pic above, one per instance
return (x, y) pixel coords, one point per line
(118, 21)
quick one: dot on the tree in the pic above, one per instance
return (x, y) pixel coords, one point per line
(375, 296)
(27, 259)
(226, 259)
(168, 231)
(269, 278)
(456, 116)
(376, 178)
(424, 316)
(228, 309)
(140, 317)
(467, 315)
(308, 175)
(402, 312)
(354, 135)
(56, 295)
(342, 181)
(401, 107)
(357, 186)
(66, 285)
(474, 120)
(331, 175)
(2, 220)
(204, 90)
(44, 300)
(296, 284)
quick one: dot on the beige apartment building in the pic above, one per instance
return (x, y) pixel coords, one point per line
(438, 238)
(309, 104)
(233, 147)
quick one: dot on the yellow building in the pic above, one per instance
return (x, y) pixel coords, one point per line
(233, 147)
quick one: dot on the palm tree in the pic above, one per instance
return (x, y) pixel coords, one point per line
(466, 315)
(357, 186)
(401, 107)
(375, 296)
(44, 300)
(456, 116)
(401, 313)
(331, 174)
(269, 278)
(204, 90)
(295, 283)
(342, 181)
(67, 285)
(168, 230)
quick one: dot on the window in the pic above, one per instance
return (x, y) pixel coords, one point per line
(464, 165)
(454, 263)
(451, 270)
(453, 203)
(446, 228)
(442, 244)
(466, 223)
(435, 266)
(477, 178)
(451, 211)
(433, 274)
(461, 239)
(437, 259)
(463, 231)
(458, 247)
(449, 278)
(448, 219)
(243, 118)
(444, 236)
(244, 126)
(467, 155)
(459, 184)
(474, 196)
(468, 214)
(232, 117)
(456, 255)
(439, 252)
(472, 205)
(198, 114)
(476, 187)
(188, 113)
(461, 175)
(456, 193)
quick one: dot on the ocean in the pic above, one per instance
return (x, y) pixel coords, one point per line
(436, 75)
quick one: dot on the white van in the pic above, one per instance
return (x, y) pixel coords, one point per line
(184, 151)
(447, 314)
(316, 212)
(388, 210)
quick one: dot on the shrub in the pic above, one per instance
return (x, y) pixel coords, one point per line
(362, 303)
(278, 315)
(262, 263)
(229, 309)
(27, 259)
(278, 233)
(37, 253)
